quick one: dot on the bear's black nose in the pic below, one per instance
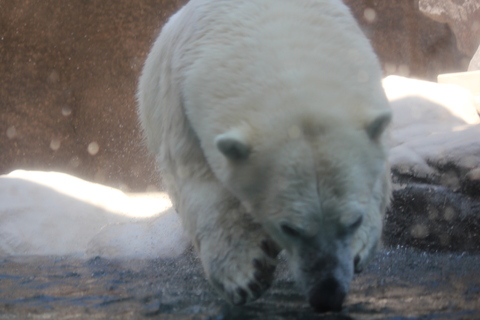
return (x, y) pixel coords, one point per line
(328, 295)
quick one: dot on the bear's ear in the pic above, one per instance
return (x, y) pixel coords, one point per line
(378, 125)
(233, 145)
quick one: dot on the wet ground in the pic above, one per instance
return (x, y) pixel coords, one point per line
(399, 284)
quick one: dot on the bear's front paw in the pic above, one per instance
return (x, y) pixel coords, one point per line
(243, 272)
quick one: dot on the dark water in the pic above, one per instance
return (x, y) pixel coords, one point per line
(399, 284)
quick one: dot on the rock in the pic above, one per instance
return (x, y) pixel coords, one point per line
(469, 80)
(475, 62)
(50, 213)
(463, 17)
(433, 217)
(431, 123)
(435, 159)
(69, 73)
(407, 42)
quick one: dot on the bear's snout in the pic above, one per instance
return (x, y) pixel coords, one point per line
(328, 295)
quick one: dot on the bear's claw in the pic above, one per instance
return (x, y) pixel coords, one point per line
(242, 283)
(240, 298)
(270, 248)
(356, 264)
(262, 280)
(255, 289)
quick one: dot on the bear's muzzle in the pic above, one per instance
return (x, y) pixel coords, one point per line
(328, 295)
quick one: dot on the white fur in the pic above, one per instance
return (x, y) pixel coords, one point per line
(298, 83)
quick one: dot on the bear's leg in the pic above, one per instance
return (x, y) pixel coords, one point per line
(237, 255)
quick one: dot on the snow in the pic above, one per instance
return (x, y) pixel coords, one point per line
(51, 213)
(433, 125)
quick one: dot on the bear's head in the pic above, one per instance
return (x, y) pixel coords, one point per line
(310, 182)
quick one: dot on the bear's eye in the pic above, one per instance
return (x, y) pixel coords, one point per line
(347, 230)
(354, 226)
(289, 230)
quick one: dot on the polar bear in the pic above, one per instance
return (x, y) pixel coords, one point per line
(268, 120)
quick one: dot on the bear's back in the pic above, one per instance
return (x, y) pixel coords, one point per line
(281, 58)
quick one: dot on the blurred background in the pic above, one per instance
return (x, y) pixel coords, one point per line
(69, 71)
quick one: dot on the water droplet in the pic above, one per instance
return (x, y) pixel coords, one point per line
(74, 162)
(11, 132)
(390, 68)
(403, 70)
(53, 77)
(66, 111)
(93, 148)
(370, 15)
(55, 144)
(419, 231)
(449, 213)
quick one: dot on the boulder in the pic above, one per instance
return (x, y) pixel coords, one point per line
(435, 159)
(407, 42)
(68, 79)
(475, 62)
(463, 17)
(469, 80)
